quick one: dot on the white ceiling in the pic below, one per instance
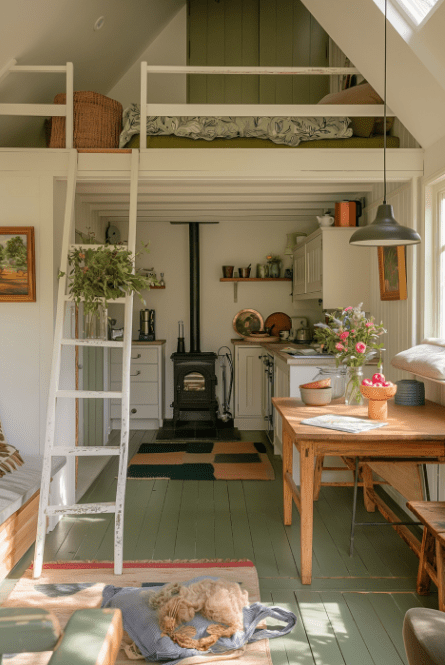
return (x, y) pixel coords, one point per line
(189, 201)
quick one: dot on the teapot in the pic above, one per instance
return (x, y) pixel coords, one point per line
(325, 220)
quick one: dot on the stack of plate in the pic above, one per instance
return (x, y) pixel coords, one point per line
(410, 393)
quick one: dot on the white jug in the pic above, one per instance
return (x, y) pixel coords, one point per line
(325, 220)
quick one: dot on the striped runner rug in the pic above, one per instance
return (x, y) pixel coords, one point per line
(202, 460)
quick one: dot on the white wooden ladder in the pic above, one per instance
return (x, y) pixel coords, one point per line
(51, 450)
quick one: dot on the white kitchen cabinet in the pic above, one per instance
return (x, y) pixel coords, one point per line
(146, 386)
(248, 386)
(299, 263)
(334, 271)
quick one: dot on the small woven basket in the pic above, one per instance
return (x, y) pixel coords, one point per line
(97, 122)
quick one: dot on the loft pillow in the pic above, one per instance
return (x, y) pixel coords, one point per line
(359, 94)
(426, 359)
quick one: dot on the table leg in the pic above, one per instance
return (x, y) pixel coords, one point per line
(287, 468)
(368, 483)
(440, 574)
(426, 556)
(317, 476)
(307, 510)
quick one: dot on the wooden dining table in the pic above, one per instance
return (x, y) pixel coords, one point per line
(414, 434)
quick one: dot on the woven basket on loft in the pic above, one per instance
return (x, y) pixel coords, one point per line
(97, 122)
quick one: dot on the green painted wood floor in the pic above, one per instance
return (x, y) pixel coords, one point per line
(351, 614)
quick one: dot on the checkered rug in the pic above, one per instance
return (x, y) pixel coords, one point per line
(202, 460)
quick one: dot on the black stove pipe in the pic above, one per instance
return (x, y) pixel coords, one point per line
(195, 342)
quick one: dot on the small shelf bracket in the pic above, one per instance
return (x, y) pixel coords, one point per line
(235, 291)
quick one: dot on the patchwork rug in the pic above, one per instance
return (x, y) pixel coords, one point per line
(68, 586)
(202, 460)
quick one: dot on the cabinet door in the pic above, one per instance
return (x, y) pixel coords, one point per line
(299, 262)
(248, 381)
(281, 389)
(314, 277)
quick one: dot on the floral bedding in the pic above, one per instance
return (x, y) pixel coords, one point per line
(284, 130)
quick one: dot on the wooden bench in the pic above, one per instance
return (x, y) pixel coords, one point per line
(431, 563)
(19, 504)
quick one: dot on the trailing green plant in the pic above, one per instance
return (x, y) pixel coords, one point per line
(100, 274)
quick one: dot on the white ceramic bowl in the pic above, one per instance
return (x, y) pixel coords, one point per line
(316, 396)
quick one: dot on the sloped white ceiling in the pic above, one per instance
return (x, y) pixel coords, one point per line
(53, 32)
(416, 60)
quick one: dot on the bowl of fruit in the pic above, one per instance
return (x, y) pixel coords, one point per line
(378, 391)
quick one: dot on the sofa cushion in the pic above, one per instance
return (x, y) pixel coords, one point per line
(426, 359)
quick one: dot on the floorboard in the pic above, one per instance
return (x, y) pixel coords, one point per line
(351, 614)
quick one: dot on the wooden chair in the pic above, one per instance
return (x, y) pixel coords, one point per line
(431, 563)
(91, 637)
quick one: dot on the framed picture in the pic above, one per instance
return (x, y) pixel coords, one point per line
(17, 264)
(392, 273)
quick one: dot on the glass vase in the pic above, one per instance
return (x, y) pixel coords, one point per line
(354, 378)
(274, 268)
(96, 324)
(337, 375)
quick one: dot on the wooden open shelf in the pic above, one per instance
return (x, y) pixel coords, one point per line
(235, 281)
(255, 279)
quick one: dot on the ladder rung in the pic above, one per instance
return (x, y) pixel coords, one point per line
(69, 298)
(88, 246)
(81, 451)
(95, 394)
(81, 509)
(91, 342)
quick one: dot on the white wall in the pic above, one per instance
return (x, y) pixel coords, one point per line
(226, 243)
(169, 48)
(30, 198)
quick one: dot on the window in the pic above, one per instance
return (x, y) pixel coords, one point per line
(418, 10)
(441, 263)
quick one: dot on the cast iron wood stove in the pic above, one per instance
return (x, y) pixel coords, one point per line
(194, 372)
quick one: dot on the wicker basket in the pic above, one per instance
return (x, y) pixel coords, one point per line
(97, 122)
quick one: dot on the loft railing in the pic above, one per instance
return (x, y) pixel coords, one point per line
(308, 110)
(65, 110)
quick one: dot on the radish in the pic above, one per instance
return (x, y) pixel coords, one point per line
(378, 378)
(366, 382)
(377, 384)
(387, 384)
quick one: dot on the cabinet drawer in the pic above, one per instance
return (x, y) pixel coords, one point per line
(138, 355)
(138, 373)
(140, 393)
(139, 411)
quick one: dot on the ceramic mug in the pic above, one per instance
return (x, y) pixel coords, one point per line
(284, 334)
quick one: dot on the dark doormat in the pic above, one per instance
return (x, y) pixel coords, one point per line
(202, 460)
(198, 429)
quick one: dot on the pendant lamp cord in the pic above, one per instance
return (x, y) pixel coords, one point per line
(384, 117)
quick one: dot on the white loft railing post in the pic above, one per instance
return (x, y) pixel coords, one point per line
(4, 71)
(143, 120)
(69, 118)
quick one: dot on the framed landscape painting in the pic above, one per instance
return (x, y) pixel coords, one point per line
(392, 273)
(17, 264)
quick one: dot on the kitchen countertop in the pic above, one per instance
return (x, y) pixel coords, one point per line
(276, 349)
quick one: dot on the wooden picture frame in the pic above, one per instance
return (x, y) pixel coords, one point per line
(392, 272)
(17, 264)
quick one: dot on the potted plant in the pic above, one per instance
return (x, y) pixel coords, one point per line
(99, 274)
(274, 263)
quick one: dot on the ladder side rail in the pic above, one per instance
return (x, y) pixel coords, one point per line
(143, 108)
(126, 362)
(55, 367)
(69, 100)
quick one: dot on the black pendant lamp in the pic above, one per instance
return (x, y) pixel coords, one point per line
(384, 230)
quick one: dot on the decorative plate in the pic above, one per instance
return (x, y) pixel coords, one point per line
(278, 321)
(247, 321)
